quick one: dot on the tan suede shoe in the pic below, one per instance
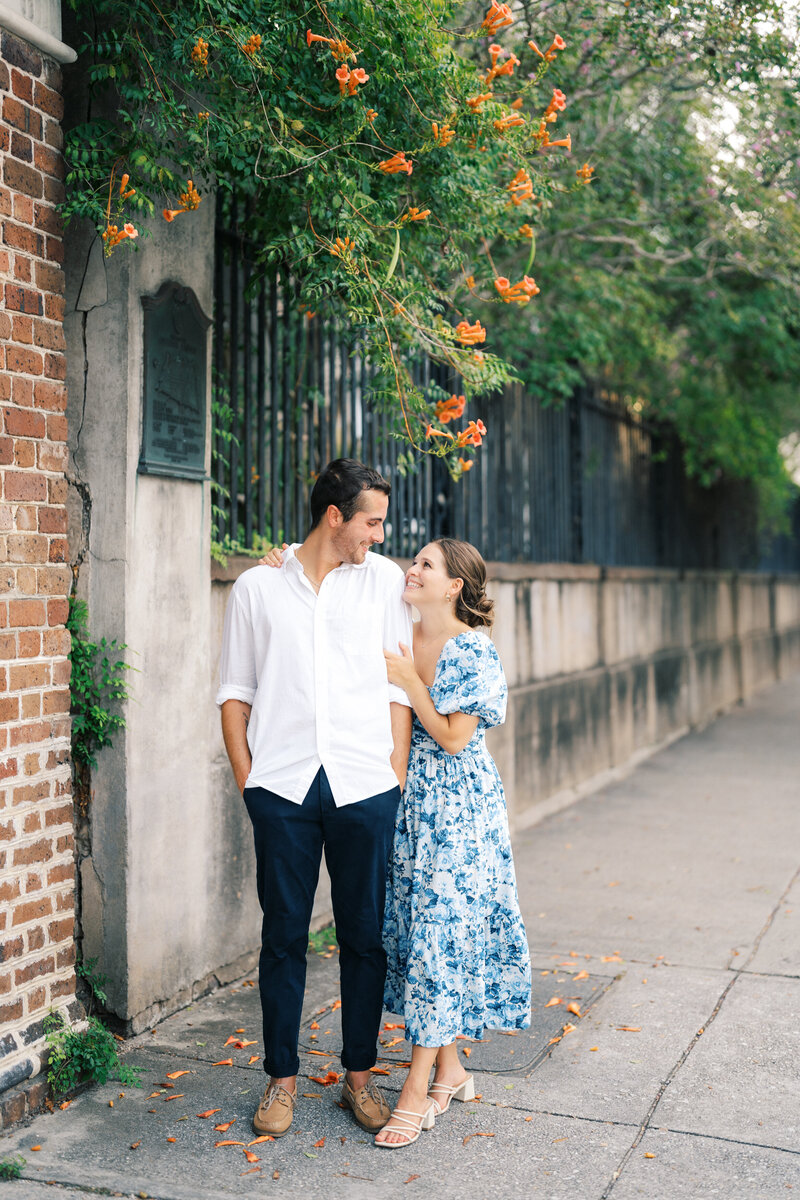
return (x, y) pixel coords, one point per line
(275, 1111)
(368, 1105)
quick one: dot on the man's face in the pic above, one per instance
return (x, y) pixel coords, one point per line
(364, 530)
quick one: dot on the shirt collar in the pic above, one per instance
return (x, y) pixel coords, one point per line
(290, 556)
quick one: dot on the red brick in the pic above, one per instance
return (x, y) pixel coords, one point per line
(31, 705)
(32, 764)
(22, 147)
(55, 366)
(65, 957)
(9, 708)
(5, 138)
(63, 844)
(27, 547)
(5, 194)
(8, 769)
(63, 873)
(48, 160)
(32, 824)
(57, 612)
(56, 702)
(52, 456)
(36, 852)
(32, 793)
(24, 454)
(8, 832)
(60, 931)
(54, 250)
(48, 219)
(57, 431)
(29, 675)
(9, 1014)
(18, 53)
(23, 613)
(9, 890)
(22, 86)
(23, 268)
(22, 485)
(59, 550)
(26, 517)
(22, 117)
(8, 646)
(49, 278)
(62, 671)
(37, 998)
(30, 643)
(20, 238)
(52, 396)
(36, 938)
(49, 335)
(6, 451)
(5, 325)
(6, 983)
(33, 910)
(26, 735)
(22, 329)
(31, 971)
(25, 423)
(58, 816)
(22, 178)
(22, 392)
(63, 987)
(56, 642)
(19, 299)
(49, 101)
(57, 758)
(54, 307)
(57, 489)
(24, 362)
(53, 190)
(5, 78)
(54, 135)
(53, 520)
(23, 209)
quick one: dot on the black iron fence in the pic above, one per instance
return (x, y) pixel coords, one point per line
(588, 481)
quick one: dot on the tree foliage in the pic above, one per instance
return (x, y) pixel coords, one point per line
(677, 274)
(383, 158)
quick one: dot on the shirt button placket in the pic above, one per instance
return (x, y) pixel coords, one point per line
(321, 671)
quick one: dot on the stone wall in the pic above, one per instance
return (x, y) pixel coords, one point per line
(36, 827)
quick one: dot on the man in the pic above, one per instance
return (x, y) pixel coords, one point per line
(318, 742)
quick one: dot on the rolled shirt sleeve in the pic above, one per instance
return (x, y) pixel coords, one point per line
(237, 672)
(397, 628)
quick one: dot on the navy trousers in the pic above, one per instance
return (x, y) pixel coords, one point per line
(289, 840)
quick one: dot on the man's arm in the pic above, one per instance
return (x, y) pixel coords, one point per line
(401, 736)
(235, 716)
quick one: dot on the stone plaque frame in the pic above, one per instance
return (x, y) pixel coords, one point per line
(175, 408)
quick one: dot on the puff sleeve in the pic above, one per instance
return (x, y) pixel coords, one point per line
(470, 679)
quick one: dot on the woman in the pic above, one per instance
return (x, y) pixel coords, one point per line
(457, 952)
(456, 947)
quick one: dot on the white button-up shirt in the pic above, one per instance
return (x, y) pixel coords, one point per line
(312, 667)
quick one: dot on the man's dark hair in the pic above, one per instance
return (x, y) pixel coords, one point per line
(341, 484)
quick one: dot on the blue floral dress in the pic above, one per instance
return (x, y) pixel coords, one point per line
(457, 952)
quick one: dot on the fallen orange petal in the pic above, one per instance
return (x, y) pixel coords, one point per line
(34, 1148)
(593, 1048)
(395, 1041)
(336, 1004)
(648, 1154)
(379, 1071)
(227, 1143)
(574, 1008)
(553, 1000)
(509, 1032)
(325, 1080)
(253, 1058)
(568, 1028)
(232, 1041)
(397, 1025)
(172, 1139)
(210, 1113)
(314, 1025)
(321, 1142)
(251, 1158)
(65, 1104)
(253, 1170)
(238, 1031)
(265, 1137)
(630, 1028)
(465, 1050)
(580, 975)
(177, 1074)
(177, 1096)
(225, 1126)
(136, 1145)
(226, 1062)
(319, 1053)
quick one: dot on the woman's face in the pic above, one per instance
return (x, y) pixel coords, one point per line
(427, 581)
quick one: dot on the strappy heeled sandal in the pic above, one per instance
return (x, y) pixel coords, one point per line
(465, 1091)
(420, 1121)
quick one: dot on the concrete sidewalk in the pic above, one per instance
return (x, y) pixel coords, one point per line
(665, 910)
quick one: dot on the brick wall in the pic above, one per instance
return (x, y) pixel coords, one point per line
(36, 818)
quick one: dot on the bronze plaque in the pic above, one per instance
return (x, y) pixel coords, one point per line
(174, 424)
